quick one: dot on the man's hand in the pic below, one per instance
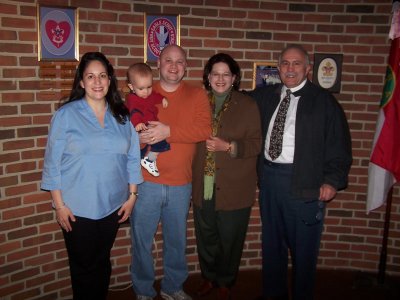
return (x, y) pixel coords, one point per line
(156, 131)
(326, 192)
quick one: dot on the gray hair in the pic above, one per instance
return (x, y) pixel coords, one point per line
(296, 47)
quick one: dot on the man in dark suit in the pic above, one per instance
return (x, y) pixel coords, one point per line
(305, 160)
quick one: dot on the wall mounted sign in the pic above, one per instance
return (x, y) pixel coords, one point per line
(58, 34)
(159, 31)
(265, 73)
(327, 71)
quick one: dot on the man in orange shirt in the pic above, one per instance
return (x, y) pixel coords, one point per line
(186, 121)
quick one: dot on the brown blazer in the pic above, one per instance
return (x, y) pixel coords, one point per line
(235, 177)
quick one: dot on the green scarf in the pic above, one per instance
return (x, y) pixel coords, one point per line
(219, 104)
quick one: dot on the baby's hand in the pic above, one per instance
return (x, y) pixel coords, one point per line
(140, 127)
(164, 102)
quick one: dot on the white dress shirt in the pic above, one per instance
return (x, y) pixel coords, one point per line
(287, 154)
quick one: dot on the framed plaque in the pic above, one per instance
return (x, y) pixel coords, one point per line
(159, 31)
(265, 73)
(58, 33)
(327, 71)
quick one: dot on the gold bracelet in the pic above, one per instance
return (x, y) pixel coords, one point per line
(61, 206)
(133, 194)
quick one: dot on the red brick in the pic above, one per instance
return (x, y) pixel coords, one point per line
(16, 48)
(38, 280)
(13, 97)
(22, 189)
(113, 28)
(30, 154)
(9, 157)
(37, 241)
(15, 121)
(8, 110)
(12, 288)
(7, 60)
(20, 167)
(21, 255)
(18, 144)
(28, 293)
(9, 9)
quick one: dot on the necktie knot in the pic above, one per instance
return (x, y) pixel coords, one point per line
(288, 92)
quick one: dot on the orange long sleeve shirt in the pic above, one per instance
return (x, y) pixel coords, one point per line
(189, 118)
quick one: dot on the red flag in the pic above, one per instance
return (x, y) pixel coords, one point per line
(384, 167)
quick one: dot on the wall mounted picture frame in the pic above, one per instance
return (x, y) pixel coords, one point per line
(160, 30)
(265, 73)
(327, 71)
(58, 33)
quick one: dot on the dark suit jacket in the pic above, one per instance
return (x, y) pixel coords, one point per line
(235, 178)
(322, 140)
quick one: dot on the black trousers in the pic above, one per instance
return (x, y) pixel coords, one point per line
(220, 236)
(288, 224)
(88, 246)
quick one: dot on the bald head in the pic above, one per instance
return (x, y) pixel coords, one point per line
(172, 47)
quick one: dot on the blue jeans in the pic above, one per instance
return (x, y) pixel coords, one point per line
(170, 205)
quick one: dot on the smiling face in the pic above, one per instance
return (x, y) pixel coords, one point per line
(95, 81)
(172, 65)
(293, 67)
(221, 78)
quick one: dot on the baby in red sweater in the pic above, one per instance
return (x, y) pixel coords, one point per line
(141, 102)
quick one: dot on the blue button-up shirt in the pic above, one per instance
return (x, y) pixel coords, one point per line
(91, 165)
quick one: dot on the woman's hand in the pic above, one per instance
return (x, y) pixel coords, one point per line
(64, 217)
(126, 209)
(214, 144)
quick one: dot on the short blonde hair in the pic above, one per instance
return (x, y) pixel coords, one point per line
(141, 69)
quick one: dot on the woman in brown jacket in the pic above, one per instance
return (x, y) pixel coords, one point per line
(224, 176)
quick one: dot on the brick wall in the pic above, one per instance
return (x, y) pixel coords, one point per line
(32, 254)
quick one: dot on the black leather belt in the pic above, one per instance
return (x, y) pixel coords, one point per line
(277, 165)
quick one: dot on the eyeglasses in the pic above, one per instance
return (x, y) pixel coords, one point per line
(223, 75)
(318, 216)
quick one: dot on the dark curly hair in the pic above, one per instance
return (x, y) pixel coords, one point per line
(113, 97)
(232, 64)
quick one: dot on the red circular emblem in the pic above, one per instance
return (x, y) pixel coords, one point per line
(161, 33)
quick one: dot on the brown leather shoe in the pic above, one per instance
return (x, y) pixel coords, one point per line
(224, 293)
(205, 288)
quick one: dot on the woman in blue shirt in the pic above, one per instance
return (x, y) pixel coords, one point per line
(92, 168)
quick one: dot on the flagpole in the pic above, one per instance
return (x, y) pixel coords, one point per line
(383, 256)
